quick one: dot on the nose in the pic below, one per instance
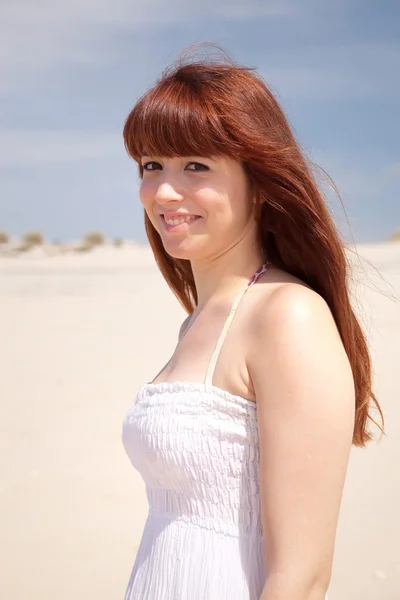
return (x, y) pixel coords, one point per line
(167, 192)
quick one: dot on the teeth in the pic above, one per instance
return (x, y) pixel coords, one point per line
(178, 221)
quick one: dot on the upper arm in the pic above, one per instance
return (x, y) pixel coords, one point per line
(305, 405)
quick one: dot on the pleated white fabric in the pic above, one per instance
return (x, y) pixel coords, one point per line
(196, 447)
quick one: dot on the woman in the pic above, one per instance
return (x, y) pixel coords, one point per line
(243, 438)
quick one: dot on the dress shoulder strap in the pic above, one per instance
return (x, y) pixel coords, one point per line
(228, 321)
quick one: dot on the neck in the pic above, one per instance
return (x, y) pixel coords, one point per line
(224, 275)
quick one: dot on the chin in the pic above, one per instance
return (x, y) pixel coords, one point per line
(181, 253)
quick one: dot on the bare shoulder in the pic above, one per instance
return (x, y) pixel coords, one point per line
(290, 307)
(293, 334)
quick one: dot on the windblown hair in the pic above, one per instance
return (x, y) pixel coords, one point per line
(216, 107)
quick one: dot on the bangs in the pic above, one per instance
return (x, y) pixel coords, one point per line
(176, 118)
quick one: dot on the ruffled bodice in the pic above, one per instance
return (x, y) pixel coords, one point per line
(197, 451)
(196, 447)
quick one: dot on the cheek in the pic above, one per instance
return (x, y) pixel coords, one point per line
(146, 197)
(227, 206)
(240, 201)
(211, 199)
(145, 194)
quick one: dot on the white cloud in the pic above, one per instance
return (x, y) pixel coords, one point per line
(317, 83)
(47, 148)
(41, 33)
(327, 72)
(37, 34)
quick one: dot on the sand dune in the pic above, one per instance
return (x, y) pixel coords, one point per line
(80, 333)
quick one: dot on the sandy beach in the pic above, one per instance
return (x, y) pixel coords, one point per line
(80, 333)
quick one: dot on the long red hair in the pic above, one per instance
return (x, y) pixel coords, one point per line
(216, 107)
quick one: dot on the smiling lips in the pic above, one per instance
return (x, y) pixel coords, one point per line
(177, 219)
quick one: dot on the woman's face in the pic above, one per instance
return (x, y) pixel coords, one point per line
(199, 206)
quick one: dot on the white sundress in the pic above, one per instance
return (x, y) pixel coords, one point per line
(196, 447)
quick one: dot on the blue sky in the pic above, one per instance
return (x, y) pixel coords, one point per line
(71, 71)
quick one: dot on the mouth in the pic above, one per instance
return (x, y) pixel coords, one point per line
(178, 222)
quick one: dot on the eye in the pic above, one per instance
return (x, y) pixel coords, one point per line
(199, 166)
(151, 165)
